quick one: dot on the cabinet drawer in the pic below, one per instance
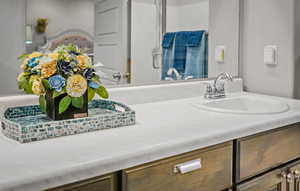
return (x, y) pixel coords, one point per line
(103, 183)
(214, 174)
(256, 154)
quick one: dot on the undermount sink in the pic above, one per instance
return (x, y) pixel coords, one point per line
(244, 104)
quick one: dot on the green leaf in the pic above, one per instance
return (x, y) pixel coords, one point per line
(102, 92)
(56, 94)
(23, 56)
(46, 84)
(77, 102)
(22, 83)
(96, 78)
(64, 104)
(42, 101)
(28, 87)
(91, 94)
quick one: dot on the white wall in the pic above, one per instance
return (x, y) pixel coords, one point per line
(187, 15)
(62, 14)
(268, 22)
(224, 30)
(12, 40)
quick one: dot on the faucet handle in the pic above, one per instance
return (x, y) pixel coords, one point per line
(209, 88)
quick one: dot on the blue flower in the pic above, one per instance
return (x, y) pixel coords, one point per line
(64, 67)
(33, 62)
(89, 73)
(57, 82)
(94, 85)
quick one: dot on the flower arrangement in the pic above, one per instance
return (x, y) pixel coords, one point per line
(66, 72)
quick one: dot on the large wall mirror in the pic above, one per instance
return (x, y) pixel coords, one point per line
(131, 42)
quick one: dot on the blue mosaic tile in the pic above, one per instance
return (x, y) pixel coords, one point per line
(27, 123)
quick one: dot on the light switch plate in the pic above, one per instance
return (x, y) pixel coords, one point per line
(270, 55)
(220, 54)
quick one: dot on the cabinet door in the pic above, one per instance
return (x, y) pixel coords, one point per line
(273, 181)
(103, 183)
(259, 153)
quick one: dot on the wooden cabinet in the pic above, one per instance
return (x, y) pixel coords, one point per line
(103, 183)
(213, 174)
(273, 181)
(262, 152)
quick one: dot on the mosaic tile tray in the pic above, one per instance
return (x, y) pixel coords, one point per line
(27, 123)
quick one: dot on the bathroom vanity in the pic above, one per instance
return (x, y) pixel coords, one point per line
(175, 145)
(258, 162)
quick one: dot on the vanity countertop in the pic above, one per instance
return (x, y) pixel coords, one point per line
(163, 129)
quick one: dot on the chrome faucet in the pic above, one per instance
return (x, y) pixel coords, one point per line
(217, 90)
(172, 71)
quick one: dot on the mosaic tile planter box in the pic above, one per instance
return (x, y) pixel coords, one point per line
(27, 123)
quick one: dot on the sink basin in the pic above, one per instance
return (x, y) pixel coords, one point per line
(244, 104)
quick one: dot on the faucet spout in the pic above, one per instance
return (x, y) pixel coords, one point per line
(217, 90)
(223, 76)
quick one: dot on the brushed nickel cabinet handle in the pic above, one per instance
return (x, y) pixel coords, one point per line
(283, 177)
(297, 174)
(187, 167)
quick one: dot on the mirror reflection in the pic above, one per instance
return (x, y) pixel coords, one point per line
(130, 42)
(139, 42)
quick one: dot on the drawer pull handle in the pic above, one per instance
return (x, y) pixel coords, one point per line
(188, 166)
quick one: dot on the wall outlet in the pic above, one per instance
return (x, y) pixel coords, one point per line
(270, 55)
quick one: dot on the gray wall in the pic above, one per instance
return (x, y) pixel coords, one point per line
(12, 39)
(297, 50)
(268, 22)
(224, 28)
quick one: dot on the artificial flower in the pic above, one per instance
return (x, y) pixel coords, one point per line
(89, 73)
(57, 82)
(76, 85)
(83, 61)
(21, 76)
(33, 62)
(54, 56)
(48, 69)
(34, 78)
(64, 67)
(35, 55)
(37, 85)
(24, 64)
(94, 85)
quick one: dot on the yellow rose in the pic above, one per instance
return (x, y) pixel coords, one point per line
(35, 78)
(37, 87)
(35, 55)
(76, 85)
(54, 56)
(83, 61)
(48, 69)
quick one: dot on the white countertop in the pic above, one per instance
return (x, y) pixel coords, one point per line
(163, 129)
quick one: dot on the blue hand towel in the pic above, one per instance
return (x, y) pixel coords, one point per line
(194, 38)
(181, 39)
(197, 59)
(168, 54)
(168, 40)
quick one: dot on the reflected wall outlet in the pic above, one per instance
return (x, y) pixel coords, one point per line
(220, 54)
